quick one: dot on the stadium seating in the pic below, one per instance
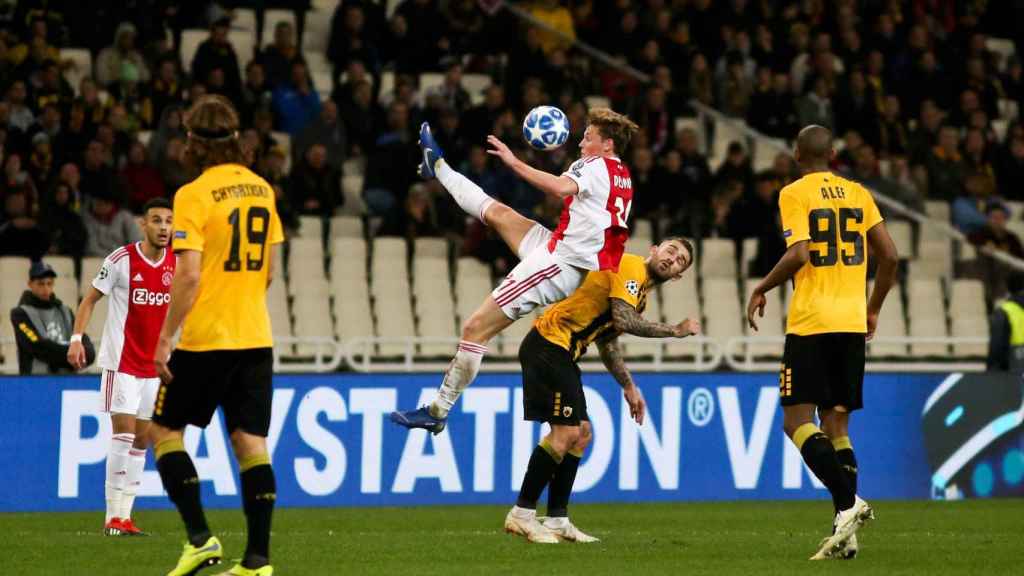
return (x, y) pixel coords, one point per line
(768, 326)
(435, 307)
(190, 40)
(680, 300)
(244, 19)
(927, 315)
(722, 308)
(892, 323)
(271, 18)
(81, 66)
(903, 236)
(968, 316)
(311, 227)
(717, 258)
(316, 32)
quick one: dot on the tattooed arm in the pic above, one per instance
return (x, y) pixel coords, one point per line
(628, 321)
(612, 358)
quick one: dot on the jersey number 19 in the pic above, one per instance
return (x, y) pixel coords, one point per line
(257, 222)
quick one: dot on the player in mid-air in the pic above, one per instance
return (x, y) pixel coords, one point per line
(597, 193)
(606, 305)
(226, 232)
(830, 225)
(137, 278)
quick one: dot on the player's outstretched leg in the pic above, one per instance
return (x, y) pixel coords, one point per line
(544, 464)
(470, 197)
(181, 481)
(560, 489)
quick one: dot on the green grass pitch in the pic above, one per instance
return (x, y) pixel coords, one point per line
(977, 537)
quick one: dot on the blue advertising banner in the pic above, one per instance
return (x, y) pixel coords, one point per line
(707, 437)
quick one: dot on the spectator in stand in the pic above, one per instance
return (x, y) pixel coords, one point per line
(315, 186)
(256, 93)
(734, 89)
(926, 135)
(97, 175)
(700, 80)
(107, 226)
(112, 62)
(479, 121)
(893, 136)
(40, 162)
(72, 177)
(736, 167)
(977, 159)
(449, 137)
(217, 52)
(416, 220)
(277, 58)
(385, 187)
(140, 180)
(726, 219)
(928, 82)
(763, 222)
(296, 103)
(427, 34)
(945, 166)
(646, 198)
(75, 136)
(361, 118)
(17, 180)
(995, 236)
(450, 94)
(64, 224)
(20, 233)
(95, 107)
(172, 167)
(326, 130)
(1011, 169)
(815, 107)
(52, 89)
(19, 115)
(656, 120)
(352, 39)
(165, 89)
(971, 211)
(558, 17)
(169, 127)
(355, 73)
(48, 124)
(856, 106)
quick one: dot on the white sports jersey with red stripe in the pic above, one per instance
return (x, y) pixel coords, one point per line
(592, 230)
(139, 291)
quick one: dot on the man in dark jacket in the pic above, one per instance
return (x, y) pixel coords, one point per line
(1006, 334)
(43, 326)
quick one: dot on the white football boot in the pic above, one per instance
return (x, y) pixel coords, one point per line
(566, 530)
(524, 524)
(847, 523)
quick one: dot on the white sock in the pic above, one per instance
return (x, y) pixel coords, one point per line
(524, 512)
(117, 472)
(132, 481)
(460, 374)
(467, 195)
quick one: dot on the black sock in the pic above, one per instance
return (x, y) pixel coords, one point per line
(182, 485)
(820, 457)
(561, 486)
(538, 473)
(844, 453)
(259, 491)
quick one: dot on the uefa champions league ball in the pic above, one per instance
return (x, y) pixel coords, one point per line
(546, 128)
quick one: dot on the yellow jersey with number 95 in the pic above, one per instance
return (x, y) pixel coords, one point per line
(228, 214)
(834, 215)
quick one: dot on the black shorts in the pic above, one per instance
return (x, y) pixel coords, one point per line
(826, 370)
(552, 387)
(239, 381)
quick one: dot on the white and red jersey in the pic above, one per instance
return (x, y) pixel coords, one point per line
(139, 291)
(592, 231)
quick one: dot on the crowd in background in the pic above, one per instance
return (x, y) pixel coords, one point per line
(908, 84)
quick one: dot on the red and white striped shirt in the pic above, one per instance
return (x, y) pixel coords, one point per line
(592, 229)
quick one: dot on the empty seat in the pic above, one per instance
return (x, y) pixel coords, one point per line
(891, 324)
(638, 246)
(277, 307)
(395, 321)
(8, 348)
(903, 237)
(717, 258)
(680, 300)
(748, 252)
(472, 286)
(435, 307)
(90, 268)
(430, 248)
(244, 19)
(305, 257)
(346, 227)
(594, 101)
(967, 327)
(967, 299)
(97, 322)
(722, 309)
(316, 32)
(641, 228)
(507, 343)
(765, 150)
(353, 318)
(66, 290)
(190, 41)
(311, 227)
(1016, 209)
(312, 320)
(389, 249)
(771, 325)
(927, 316)
(934, 260)
(726, 132)
(937, 209)
(430, 80)
(244, 43)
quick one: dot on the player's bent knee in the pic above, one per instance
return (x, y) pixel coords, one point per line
(246, 444)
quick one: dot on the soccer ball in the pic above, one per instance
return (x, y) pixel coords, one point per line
(546, 128)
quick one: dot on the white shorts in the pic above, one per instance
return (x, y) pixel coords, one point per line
(122, 393)
(538, 280)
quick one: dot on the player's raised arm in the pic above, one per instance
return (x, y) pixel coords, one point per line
(559, 186)
(883, 250)
(627, 320)
(76, 351)
(616, 365)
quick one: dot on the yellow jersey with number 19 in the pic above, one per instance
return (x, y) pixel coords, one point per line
(834, 215)
(228, 214)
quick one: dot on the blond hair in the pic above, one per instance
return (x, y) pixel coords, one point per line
(610, 124)
(212, 125)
